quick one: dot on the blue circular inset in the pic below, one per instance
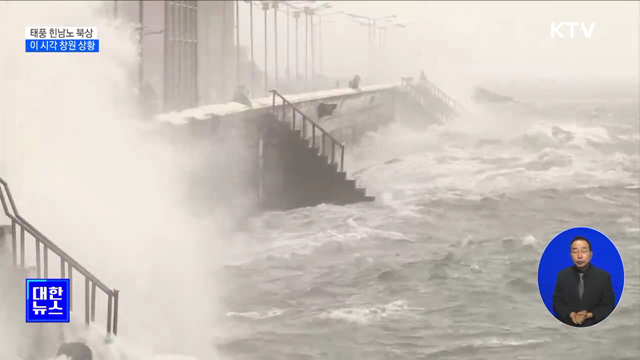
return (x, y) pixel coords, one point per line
(557, 256)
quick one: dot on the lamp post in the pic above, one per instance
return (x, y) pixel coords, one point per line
(371, 24)
(320, 43)
(288, 72)
(296, 16)
(265, 8)
(382, 32)
(310, 12)
(237, 42)
(274, 5)
(140, 44)
(306, 44)
(253, 63)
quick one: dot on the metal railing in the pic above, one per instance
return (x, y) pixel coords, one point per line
(67, 263)
(423, 99)
(434, 91)
(324, 135)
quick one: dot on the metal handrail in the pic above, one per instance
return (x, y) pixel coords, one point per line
(314, 126)
(449, 101)
(66, 263)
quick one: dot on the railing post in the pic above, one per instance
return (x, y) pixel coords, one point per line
(93, 302)
(273, 101)
(70, 274)
(37, 257)
(116, 295)
(304, 126)
(324, 145)
(13, 242)
(342, 158)
(86, 301)
(284, 115)
(109, 312)
(293, 123)
(313, 135)
(22, 263)
(333, 151)
(45, 259)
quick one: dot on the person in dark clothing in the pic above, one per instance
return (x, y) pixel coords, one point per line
(584, 294)
(423, 77)
(355, 83)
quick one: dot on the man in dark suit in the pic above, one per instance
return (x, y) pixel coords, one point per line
(584, 294)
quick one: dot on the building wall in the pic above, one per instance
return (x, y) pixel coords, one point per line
(215, 41)
(216, 51)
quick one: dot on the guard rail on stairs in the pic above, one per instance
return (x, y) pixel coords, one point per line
(67, 263)
(314, 127)
(433, 90)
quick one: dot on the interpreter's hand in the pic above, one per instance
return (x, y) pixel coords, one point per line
(587, 315)
(573, 317)
(580, 317)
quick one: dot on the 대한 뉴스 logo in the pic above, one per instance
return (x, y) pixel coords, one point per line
(560, 29)
(61, 39)
(48, 300)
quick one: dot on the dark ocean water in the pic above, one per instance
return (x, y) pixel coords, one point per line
(444, 264)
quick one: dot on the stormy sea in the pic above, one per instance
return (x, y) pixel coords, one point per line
(444, 264)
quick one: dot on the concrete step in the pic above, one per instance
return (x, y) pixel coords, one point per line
(318, 180)
(341, 176)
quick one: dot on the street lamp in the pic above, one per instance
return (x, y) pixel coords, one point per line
(237, 43)
(320, 57)
(265, 8)
(253, 63)
(274, 5)
(371, 24)
(310, 12)
(296, 16)
(383, 32)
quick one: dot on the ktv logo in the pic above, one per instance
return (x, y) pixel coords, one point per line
(558, 30)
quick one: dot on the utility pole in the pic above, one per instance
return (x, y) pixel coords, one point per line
(371, 24)
(223, 48)
(275, 30)
(382, 40)
(265, 8)
(253, 63)
(306, 44)
(296, 16)
(237, 43)
(288, 53)
(309, 12)
(140, 44)
(313, 57)
(320, 42)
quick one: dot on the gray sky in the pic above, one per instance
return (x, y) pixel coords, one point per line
(491, 40)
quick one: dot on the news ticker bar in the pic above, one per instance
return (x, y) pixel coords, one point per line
(62, 45)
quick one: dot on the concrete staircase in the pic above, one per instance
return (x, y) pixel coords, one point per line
(311, 163)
